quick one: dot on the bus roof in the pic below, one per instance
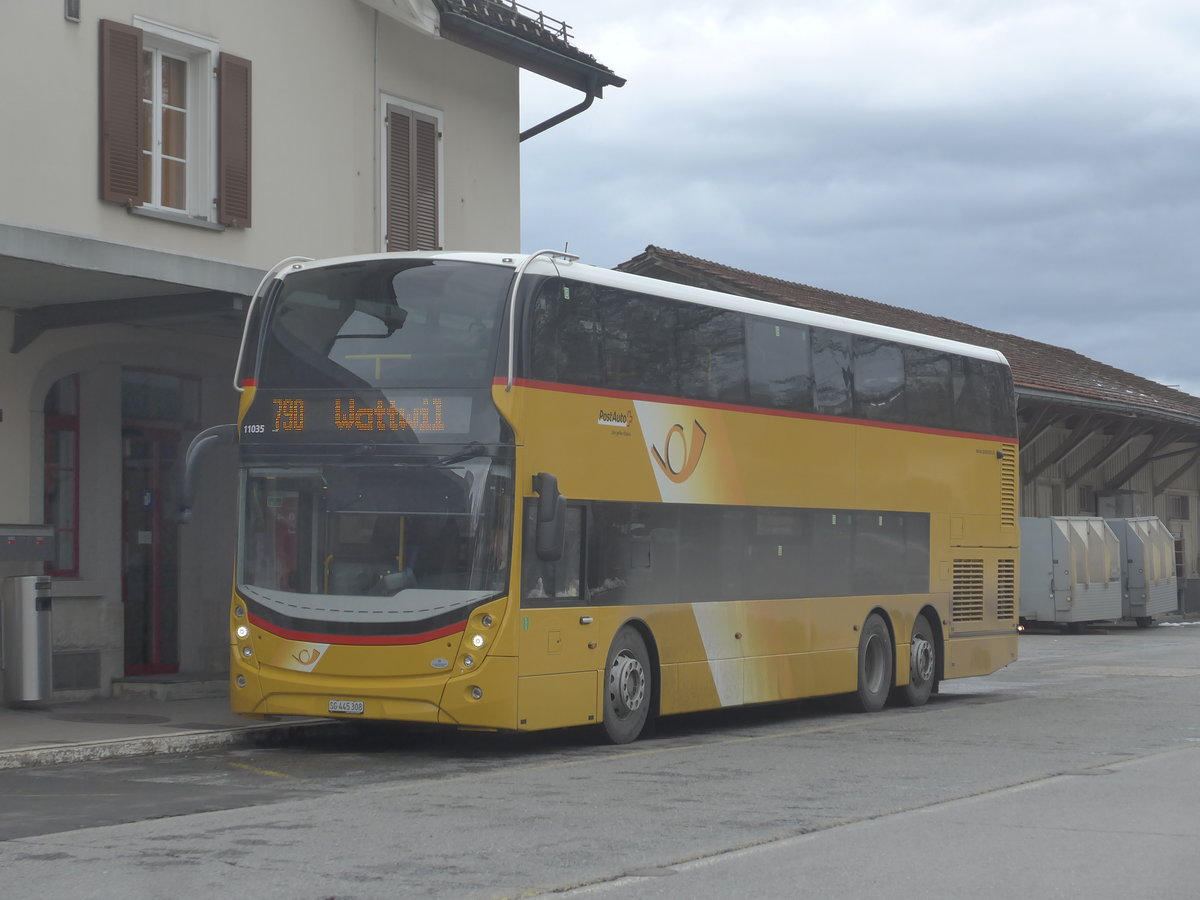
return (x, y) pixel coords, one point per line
(549, 265)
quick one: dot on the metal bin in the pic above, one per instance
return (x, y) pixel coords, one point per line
(28, 645)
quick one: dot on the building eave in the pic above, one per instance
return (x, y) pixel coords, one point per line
(550, 58)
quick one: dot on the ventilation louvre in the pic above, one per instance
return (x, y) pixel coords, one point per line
(966, 602)
(1006, 589)
(1008, 486)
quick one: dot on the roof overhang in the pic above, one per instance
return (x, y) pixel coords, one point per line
(1107, 407)
(576, 72)
(51, 279)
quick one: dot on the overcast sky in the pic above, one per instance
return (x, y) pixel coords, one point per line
(1031, 167)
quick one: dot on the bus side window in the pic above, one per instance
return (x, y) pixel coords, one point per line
(712, 354)
(565, 334)
(878, 380)
(927, 387)
(779, 365)
(832, 380)
(548, 583)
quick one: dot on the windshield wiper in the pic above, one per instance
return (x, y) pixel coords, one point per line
(467, 452)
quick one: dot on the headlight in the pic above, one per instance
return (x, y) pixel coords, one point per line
(477, 640)
(243, 631)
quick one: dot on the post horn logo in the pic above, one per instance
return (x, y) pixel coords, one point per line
(679, 457)
(307, 657)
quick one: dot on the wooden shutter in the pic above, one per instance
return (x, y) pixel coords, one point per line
(425, 181)
(399, 180)
(233, 141)
(121, 73)
(412, 180)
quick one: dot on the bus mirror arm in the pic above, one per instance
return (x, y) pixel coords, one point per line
(199, 447)
(551, 534)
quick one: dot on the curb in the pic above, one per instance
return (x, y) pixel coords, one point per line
(155, 744)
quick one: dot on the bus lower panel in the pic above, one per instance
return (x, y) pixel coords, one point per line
(441, 699)
(558, 701)
(969, 655)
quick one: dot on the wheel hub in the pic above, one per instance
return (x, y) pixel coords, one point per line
(921, 662)
(626, 684)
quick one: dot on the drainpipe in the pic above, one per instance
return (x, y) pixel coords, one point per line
(564, 115)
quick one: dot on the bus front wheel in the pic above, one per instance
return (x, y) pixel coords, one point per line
(628, 687)
(922, 665)
(876, 664)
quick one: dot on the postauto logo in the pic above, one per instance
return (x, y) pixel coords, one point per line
(680, 454)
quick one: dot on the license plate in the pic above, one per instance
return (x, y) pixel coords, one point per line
(354, 707)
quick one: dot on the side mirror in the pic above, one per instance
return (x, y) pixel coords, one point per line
(196, 451)
(551, 534)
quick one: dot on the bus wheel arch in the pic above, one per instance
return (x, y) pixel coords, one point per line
(926, 660)
(876, 662)
(631, 683)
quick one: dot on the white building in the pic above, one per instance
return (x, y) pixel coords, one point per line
(161, 156)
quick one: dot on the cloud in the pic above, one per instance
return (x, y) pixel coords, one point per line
(1028, 167)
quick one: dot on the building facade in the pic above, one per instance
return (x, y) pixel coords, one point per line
(161, 156)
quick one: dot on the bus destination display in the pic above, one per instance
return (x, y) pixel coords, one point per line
(358, 417)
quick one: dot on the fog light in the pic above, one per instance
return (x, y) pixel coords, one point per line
(246, 651)
(243, 631)
(241, 681)
(476, 693)
(477, 640)
(487, 620)
(468, 661)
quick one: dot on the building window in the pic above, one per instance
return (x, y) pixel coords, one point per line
(1178, 507)
(1086, 500)
(411, 178)
(61, 474)
(171, 141)
(165, 130)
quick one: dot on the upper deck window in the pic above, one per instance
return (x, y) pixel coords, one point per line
(615, 339)
(386, 324)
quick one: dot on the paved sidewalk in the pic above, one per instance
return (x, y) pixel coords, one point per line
(75, 732)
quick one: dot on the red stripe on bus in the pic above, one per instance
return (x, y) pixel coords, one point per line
(357, 639)
(740, 408)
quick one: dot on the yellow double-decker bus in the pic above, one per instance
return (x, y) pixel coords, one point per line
(519, 493)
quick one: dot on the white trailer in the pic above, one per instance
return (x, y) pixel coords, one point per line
(1070, 571)
(1149, 584)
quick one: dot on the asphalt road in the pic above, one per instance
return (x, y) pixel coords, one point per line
(1074, 772)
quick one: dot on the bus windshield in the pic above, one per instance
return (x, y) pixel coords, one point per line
(360, 545)
(412, 323)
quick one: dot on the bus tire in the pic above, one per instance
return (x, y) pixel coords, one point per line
(922, 665)
(628, 686)
(876, 664)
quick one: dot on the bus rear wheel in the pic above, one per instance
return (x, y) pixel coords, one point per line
(876, 664)
(628, 687)
(922, 665)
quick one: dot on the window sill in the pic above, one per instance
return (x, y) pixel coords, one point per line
(178, 218)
